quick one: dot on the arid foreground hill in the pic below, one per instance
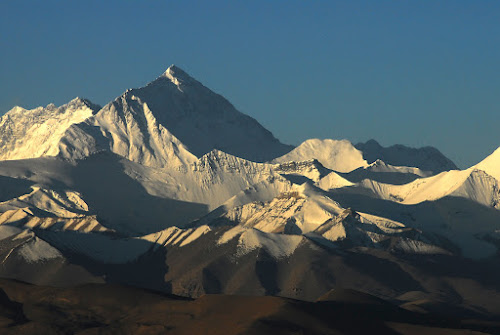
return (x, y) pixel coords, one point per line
(113, 309)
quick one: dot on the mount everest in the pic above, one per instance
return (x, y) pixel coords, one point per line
(170, 187)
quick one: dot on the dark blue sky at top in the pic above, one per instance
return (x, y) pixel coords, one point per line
(411, 72)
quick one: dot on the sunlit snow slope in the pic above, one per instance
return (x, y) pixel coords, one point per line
(37, 132)
(339, 156)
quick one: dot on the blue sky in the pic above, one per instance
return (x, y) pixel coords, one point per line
(411, 72)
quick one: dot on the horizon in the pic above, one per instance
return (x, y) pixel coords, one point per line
(437, 61)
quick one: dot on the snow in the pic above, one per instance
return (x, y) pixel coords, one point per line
(180, 195)
(386, 173)
(381, 166)
(171, 121)
(231, 234)
(491, 164)
(419, 247)
(471, 184)
(48, 209)
(197, 233)
(37, 132)
(426, 158)
(168, 163)
(308, 210)
(272, 217)
(212, 180)
(132, 131)
(24, 218)
(335, 233)
(337, 155)
(38, 250)
(277, 245)
(176, 236)
(297, 211)
(385, 224)
(332, 181)
(311, 169)
(261, 191)
(62, 205)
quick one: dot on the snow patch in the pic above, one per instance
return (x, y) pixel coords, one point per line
(197, 233)
(277, 245)
(38, 250)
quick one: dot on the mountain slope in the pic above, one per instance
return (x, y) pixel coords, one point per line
(128, 128)
(164, 188)
(172, 121)
(37, 132)
(339, 156)
(426, 158)
(386, 173)
(307, 210)
(491, 164)
(204, 120)
(472, 184)
(126, 196)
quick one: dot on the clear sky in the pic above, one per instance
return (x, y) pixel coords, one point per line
(411, 72)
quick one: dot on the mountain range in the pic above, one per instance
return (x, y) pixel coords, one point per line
(169, 187)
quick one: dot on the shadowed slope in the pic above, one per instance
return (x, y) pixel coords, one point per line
(171, 121)
(123, 203)
(426, 158)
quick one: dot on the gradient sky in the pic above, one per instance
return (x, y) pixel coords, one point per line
(411, 72)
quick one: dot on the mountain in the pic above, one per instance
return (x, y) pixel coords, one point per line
(37, 132)
(247, 261)
(426, 158)
(130, 198)
(172, 121)
(491, 164)
(386, 173)
(339, 156)
(168, 187)
(471, 184)
(308, 211)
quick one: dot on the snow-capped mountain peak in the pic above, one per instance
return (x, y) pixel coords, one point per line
(491, 164)
(78, 101)
(177, 76)
(337, 155)
(37, 132)
(199, 118)
(171, 121)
